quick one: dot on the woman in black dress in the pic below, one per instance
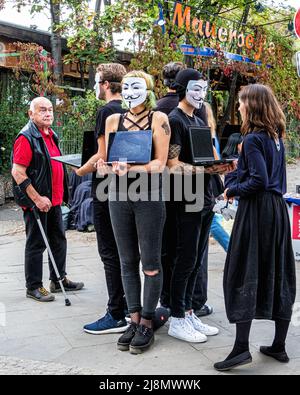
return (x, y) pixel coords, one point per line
(259, 275)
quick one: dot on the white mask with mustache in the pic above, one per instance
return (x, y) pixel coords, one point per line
(134, 91)
(196, 92)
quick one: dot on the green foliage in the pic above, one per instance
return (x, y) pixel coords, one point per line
(14, 97)
(12, 120)
(154, 54)
(80, 117)
(88, 35)
(90, 41)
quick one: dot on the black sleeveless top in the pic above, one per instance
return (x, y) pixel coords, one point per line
(147, 125)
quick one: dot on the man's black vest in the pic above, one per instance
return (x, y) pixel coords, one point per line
(40, 171)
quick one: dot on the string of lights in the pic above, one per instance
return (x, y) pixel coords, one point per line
(234, 8)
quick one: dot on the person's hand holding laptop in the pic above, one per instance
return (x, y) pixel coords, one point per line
(126, 148)
(203, 153)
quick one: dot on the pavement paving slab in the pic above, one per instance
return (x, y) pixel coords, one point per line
(38, 338)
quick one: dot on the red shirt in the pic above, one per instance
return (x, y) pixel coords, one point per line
(23, 156)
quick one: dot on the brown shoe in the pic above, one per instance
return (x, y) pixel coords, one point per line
(40, 294)
(68, 285)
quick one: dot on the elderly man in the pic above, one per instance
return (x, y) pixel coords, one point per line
(44, 181)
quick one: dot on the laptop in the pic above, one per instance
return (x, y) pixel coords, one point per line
(88, 150)
(133, 147)
(202, 148)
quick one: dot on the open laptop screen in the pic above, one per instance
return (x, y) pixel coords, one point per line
(201, 143)
(130, 146)
(88, 150)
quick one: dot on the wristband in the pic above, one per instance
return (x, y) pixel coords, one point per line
(23, 186)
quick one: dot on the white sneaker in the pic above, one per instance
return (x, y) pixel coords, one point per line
(183, 330)
(199, 326)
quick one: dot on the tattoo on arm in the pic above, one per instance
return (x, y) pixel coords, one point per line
(166, 128)
(174, 151)
(186, 169)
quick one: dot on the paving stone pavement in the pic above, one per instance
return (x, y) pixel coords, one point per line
(48, 338)
(16, 366)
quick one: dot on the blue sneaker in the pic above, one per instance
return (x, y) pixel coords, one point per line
(106, 324)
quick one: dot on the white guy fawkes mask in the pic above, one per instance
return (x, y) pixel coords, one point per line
(134, 91)
(97, 85)
(196, 92)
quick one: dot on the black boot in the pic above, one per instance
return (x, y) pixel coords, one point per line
(125, 340)
(142, 340)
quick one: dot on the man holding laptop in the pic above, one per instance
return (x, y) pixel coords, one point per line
(108, 87)
(193, 226)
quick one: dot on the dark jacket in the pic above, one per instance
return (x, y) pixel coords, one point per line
(40, 171)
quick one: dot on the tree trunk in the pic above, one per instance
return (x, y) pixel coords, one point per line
(56, 41)
(92, 66)
(81, 71)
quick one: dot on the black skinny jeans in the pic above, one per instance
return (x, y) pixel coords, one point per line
(138, 228)
(35, 246)
(192, 238)
(108, 252)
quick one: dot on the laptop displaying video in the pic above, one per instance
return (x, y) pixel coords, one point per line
(88, 150)
(202, 148)
(130, 146)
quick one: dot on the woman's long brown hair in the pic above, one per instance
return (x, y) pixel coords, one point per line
(263, 111)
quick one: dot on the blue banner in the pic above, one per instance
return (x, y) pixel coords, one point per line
(205, 51)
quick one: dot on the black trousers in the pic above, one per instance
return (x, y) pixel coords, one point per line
(192, 239)
(108, 252)
(168, 253)
(200, 290)
(35, 246)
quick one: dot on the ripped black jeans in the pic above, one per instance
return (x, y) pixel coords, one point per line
(138, 228)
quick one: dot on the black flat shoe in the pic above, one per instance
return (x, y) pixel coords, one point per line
(125, 340)
(279, 356)
(238, 360)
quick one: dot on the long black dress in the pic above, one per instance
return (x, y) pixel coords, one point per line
(259, 275)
